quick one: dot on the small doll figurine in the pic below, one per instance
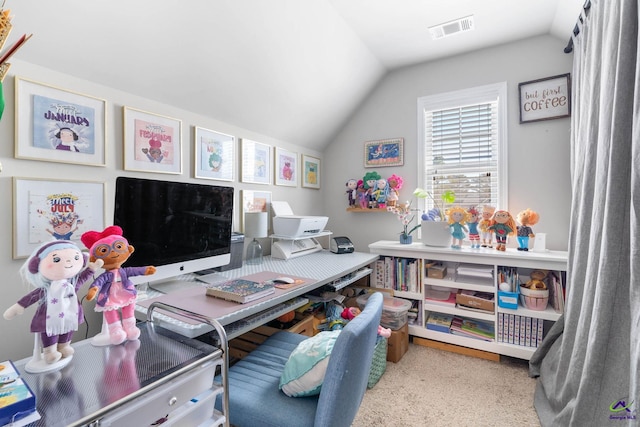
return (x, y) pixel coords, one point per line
(381, 193)
(485, 222)
(472, 222)
(370, 181)
(56, 270)
(395, 184)
(352, 191)
(116, 291)
(457, 220)
(503, 225)
(362, 195)
(526, 218)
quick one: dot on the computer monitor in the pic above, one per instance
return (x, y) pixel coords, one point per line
(178, 227)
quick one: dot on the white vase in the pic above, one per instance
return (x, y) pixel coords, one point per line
(436, 233)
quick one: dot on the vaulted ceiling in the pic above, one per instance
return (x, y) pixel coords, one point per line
(290, 69)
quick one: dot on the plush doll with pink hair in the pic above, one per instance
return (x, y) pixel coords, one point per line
(115, 290)
(57, 271)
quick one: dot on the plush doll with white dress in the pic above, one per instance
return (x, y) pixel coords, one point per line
(57, 271)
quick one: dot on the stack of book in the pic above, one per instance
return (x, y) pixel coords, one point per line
(439, 322)
(240, 290)
(472, 328)
(17, 401)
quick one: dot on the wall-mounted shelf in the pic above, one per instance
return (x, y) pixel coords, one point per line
(366, 210)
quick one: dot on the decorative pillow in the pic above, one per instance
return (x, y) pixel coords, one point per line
(304, 371)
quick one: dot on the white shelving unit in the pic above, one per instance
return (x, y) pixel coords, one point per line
(486, 257)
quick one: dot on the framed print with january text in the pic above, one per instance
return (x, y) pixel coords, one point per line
(286, 167)
(310, 172)
(545, 99)
(152, 143)
(214, 155)
(256, 201)
(384, 152)
(256, 162)
(57, 125)
(46, 209)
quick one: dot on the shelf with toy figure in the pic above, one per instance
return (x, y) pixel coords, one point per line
(479, 269)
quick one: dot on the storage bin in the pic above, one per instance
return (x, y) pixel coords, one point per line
(379, 362)
(394, 311)
(508, 299)
(534, 299)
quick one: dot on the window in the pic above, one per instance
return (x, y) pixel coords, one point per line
(462, 146)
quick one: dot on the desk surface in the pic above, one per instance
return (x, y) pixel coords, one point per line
(321, 268)
(99, 379)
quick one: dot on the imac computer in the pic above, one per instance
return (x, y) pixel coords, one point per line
(178, 227)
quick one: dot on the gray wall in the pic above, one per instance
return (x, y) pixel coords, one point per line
(538, 153)
(17, 341)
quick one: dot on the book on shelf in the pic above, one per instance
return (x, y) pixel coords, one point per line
(472, 328)
(439, 322)
(17, 401)
(240, 290)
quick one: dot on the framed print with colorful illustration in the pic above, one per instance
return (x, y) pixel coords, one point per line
(47, 209)
(152, 143)
(286, 167)
(310, 172)
(214, 154)
(384, 152)
(545, 99)
(256, 162)
(56, 125)
(256, 201)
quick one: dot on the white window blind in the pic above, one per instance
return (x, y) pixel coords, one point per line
(462, 150)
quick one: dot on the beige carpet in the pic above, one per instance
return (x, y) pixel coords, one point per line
(430, 387)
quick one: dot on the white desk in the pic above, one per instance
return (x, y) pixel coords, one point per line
(324, 267)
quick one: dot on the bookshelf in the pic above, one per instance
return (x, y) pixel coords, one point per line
(488, 262)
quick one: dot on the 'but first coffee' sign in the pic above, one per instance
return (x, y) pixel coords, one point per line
(544, 99)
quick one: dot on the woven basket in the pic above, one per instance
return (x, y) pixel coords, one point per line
(379, 363)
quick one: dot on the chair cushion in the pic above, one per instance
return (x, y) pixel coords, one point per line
(304, 371)
(254, 397)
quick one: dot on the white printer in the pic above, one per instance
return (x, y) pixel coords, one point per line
(295, 233)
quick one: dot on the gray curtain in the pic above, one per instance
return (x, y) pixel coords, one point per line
(589, 363)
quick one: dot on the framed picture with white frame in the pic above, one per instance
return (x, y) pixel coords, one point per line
(214, 154)
(51, 209)
(152, 143)
(57, 125)
(256, 162)
(286, 167)
(310, 172)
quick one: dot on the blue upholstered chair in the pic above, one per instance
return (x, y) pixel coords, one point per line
(254, 397)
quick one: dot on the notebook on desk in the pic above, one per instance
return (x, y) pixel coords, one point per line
(240, 290)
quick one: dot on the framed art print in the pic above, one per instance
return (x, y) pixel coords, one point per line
(214, 155)
(384, 152)
(256, 162)
(152, 143)
(286, 167)
(46, 209)
(57, 125)
(545, 99)
(310, 172)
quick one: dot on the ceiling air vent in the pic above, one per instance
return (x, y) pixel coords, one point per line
(451, 27)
